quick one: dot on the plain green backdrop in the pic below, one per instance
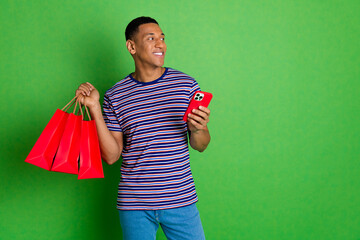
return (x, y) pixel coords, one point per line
(284, 159)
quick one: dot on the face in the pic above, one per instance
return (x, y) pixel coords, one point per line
(148, 45)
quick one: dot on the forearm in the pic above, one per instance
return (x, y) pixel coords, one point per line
(110, 148)
(200, 139)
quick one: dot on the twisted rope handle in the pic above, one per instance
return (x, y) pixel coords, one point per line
(87, 111)
(80, 109)
(76, 103)
(67, 105)
(82, 113)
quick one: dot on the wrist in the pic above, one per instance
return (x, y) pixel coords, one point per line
(95, 107)
(199, 131)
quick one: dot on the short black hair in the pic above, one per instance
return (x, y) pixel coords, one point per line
(133, 26)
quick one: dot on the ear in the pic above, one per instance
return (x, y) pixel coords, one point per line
(130, 44)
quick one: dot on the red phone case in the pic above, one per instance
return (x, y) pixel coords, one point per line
(199, 99)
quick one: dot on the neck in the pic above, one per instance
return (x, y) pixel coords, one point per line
(148, 75)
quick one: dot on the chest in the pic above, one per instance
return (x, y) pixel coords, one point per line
(153, 108)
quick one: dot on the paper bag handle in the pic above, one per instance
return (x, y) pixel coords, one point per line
(80, 108)
(87, 111)
(67, 105)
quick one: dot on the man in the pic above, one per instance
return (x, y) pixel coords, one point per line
(143, 123)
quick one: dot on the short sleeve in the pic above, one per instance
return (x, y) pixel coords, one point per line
(110, 118)
(194, 87)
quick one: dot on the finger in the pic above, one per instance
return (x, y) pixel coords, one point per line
(91, 86)
(205, 109)
(81, 99)
(195, 124)
(201, 113)
(198, 119)
(85, 89)
(85, 86)
(80, 91)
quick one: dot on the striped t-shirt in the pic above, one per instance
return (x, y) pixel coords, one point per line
(155, 172)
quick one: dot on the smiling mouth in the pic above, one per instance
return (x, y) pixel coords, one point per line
(158, 54)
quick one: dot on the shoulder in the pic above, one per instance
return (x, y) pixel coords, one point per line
(173, 73)
(121, 86)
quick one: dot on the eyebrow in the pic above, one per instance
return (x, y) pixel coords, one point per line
(154, 34)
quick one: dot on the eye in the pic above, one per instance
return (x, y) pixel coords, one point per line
(151, 38)
(162, 39)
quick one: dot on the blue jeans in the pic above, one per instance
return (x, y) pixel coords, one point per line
(178, 223)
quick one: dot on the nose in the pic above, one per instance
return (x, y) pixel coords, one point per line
(159, 43)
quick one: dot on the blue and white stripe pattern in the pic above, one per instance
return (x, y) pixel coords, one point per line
(155, 172)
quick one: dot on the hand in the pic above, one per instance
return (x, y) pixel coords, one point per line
(198, 119)
(88, 94)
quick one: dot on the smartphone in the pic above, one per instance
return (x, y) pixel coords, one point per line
(199, 99)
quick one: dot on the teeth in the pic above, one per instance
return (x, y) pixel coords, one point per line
(159, 54)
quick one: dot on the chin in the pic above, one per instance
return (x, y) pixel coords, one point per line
(159, 64)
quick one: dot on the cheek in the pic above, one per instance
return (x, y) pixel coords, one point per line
(148, 48)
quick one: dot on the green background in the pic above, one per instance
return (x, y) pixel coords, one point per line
(284, 159)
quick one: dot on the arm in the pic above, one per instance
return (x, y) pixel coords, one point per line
(111, 143)
(198, 130)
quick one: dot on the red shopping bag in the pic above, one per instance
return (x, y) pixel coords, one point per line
(43, 152)
(67, 155)
(90, 156)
